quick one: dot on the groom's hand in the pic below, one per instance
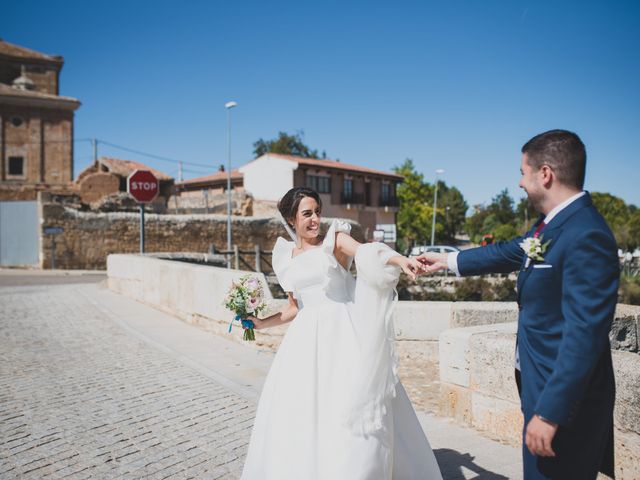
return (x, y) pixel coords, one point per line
(433, 262)
(539, 436)
(411, 266)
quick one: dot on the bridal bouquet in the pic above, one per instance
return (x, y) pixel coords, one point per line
(245, 297)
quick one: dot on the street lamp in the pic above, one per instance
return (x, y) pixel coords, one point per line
(229, 106)
(435, 205)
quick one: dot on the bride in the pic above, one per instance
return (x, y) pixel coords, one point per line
(332, 407)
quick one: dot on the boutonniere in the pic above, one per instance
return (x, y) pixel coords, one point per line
(534, 248)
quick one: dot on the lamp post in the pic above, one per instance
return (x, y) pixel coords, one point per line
(435, 205)
(229, 106)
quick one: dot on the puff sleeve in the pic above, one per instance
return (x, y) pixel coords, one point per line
(281, 261)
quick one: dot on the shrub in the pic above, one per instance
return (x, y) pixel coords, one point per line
(629, 291)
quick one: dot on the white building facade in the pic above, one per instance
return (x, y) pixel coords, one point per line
(365, 195)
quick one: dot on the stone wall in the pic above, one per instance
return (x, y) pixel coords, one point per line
(477, 386)
(89, 237)
(210, 202)
(418, 324)
(456, 359)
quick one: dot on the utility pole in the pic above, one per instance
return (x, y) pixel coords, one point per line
(435, 206)
(180, 179)
(94, 141)
(229, 106)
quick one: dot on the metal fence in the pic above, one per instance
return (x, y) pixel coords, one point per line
(19, 233)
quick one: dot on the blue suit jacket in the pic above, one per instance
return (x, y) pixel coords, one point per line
(567, 304)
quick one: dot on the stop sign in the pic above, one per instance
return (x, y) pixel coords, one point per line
(143, 186)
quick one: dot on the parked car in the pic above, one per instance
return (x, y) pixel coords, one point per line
(417, 250)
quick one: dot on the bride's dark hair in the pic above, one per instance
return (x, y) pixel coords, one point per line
(289, 203)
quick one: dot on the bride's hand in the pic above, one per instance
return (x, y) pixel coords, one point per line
(257, 323)
(411, 266)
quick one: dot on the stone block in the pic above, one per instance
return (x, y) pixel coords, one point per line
(498, 418)
(624, 330)
(456, 355)
(455, 402)
(627, 455)
(467, 314)
(627, 410)
(421, 320)
(492, 359)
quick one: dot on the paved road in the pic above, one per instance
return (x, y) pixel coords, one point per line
(80, 397)
(95, 385)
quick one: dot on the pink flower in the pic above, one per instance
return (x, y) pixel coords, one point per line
(252, 304)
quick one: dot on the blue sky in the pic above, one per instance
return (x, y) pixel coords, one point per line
(459, 85)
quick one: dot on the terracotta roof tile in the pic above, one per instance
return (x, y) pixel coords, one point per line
(214, 177)
(16, 51)
(333, 164)
(126, 167)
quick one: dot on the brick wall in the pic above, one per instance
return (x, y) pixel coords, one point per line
(45, 77)
(22, 192)
(98, 185)
(44, 140)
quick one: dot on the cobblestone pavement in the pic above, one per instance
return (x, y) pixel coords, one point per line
(81, 398)
(18, 277)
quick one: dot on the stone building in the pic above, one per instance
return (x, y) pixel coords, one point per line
(208, 194)
(108, 177)
(213, 184)
(36, 124)
(359, 193)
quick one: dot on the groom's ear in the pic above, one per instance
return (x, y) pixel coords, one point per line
(547, 175)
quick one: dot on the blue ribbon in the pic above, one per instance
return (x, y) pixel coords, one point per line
(245, 323)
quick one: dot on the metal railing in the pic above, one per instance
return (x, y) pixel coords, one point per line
(239, 258)
(388, 201)
(355, 198)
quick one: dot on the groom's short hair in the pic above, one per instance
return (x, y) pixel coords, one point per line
(563, 151)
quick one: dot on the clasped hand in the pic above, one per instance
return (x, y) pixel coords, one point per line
(409, 265)
(433, 262)
(424, 263)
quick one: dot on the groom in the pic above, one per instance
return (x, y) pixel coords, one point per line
(567, 292)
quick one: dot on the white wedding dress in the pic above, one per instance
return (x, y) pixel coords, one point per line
(332, 407)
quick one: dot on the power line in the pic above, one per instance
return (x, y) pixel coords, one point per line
(150, 155)
(201, 166)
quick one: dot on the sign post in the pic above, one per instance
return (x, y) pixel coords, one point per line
(52, 232)
(143, 186)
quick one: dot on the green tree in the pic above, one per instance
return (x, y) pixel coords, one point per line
(415, 216)
(621, 218)
(413, 220)
(451, 212)
(502, 208)
(287, 145)
(498, 219)
(505, 231)
(474, 225)
(526, 215)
